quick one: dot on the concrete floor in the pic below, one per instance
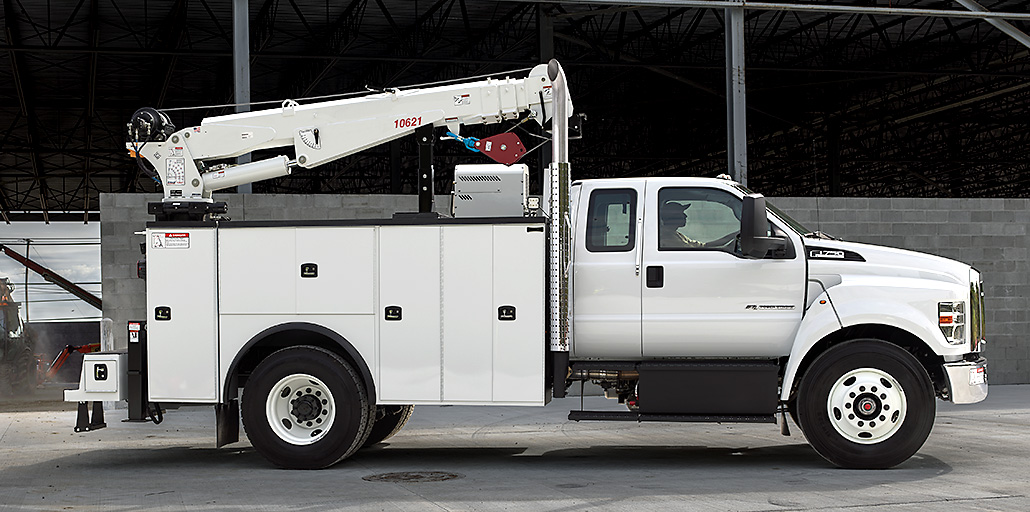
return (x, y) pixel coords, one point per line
(509, 458)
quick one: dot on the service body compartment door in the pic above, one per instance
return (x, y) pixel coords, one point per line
(468, 313)
(333, 270)
(182, 313)
(519, 298)
(409, 313)
(701, 297)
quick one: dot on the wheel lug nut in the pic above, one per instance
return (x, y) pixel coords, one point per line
(861, 388)
(851, 416)
(861, 423)
(883, 418)
(885, 407)
(318, 420)
(318, 393)
(324, 401)
(847, 406)
(308, 390)
(852, 395)
(309, 423)
(883, 396)
(872, 423)
(873, 389)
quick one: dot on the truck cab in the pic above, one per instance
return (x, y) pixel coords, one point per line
(660, 273)
(677, 315)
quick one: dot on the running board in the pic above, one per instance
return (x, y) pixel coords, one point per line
(691, 418)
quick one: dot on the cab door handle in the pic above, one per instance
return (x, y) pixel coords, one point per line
(655, 277)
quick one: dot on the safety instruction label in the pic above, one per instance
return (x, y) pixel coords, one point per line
(175, 172)
(170, 240)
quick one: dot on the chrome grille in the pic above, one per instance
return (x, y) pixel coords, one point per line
(976, 316)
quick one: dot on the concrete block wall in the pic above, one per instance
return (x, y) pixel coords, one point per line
(123, 214)
(989, 234)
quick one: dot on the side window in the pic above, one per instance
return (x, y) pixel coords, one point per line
(611, 216)
(698, 218)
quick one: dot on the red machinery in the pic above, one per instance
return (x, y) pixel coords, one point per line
(45, 373)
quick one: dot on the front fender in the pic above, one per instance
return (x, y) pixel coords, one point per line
(907, 304)
(819, 322)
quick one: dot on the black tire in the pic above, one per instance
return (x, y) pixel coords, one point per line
(23, 380)
(389, 419)
(858, 373)
(341, 399)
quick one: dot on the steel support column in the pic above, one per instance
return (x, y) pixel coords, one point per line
(241, 67)
(736, 110)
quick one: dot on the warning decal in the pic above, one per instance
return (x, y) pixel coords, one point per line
(170, 240)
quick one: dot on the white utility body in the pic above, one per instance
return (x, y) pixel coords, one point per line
(687, 299)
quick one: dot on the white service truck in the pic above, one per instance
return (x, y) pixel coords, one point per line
(686, 299)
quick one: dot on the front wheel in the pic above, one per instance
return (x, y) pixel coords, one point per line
(305, 408)
(866, 404)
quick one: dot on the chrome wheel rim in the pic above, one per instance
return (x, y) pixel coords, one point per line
(866, 405)
(300, 409)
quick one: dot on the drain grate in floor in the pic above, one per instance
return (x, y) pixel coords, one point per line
(413, 477)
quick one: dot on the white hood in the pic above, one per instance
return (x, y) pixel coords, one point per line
(881, 261)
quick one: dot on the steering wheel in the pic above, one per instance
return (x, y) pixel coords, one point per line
(724, 241)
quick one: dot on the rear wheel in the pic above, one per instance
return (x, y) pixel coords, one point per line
(305, 408)
(389, 419)
(866, 404)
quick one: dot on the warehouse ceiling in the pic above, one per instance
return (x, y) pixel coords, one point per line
(849, 104)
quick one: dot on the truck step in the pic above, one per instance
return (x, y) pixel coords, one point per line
(692, 418)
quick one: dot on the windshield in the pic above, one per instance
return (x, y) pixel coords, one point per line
(787, 219)
(795, 225)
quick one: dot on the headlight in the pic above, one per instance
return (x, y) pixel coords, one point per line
(953, 321)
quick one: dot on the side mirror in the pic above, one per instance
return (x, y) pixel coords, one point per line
(755, 241)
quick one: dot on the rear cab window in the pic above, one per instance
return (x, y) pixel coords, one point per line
(611, 220)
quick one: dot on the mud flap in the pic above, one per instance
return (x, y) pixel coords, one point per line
(227, 423)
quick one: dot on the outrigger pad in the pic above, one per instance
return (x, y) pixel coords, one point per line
(83, 422)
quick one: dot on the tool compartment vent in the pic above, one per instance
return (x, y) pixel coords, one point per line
(479, 177)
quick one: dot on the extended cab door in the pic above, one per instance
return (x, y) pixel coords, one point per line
(606, 289)
(700, 296)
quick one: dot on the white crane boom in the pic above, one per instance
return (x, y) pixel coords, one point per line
(321, 132)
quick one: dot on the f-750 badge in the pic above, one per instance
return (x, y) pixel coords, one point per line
(824, 253)
(768, 307)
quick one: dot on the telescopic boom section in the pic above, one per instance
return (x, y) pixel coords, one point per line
(322, 132)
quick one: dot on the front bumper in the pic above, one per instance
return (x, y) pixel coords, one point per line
(967, 381)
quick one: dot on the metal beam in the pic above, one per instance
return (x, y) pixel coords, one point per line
(831, 8)
(736, 106)
(999, 24)
(91, 96)
(241, 68)
(27, 108)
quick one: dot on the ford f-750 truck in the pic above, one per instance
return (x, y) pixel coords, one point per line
(686, 299)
